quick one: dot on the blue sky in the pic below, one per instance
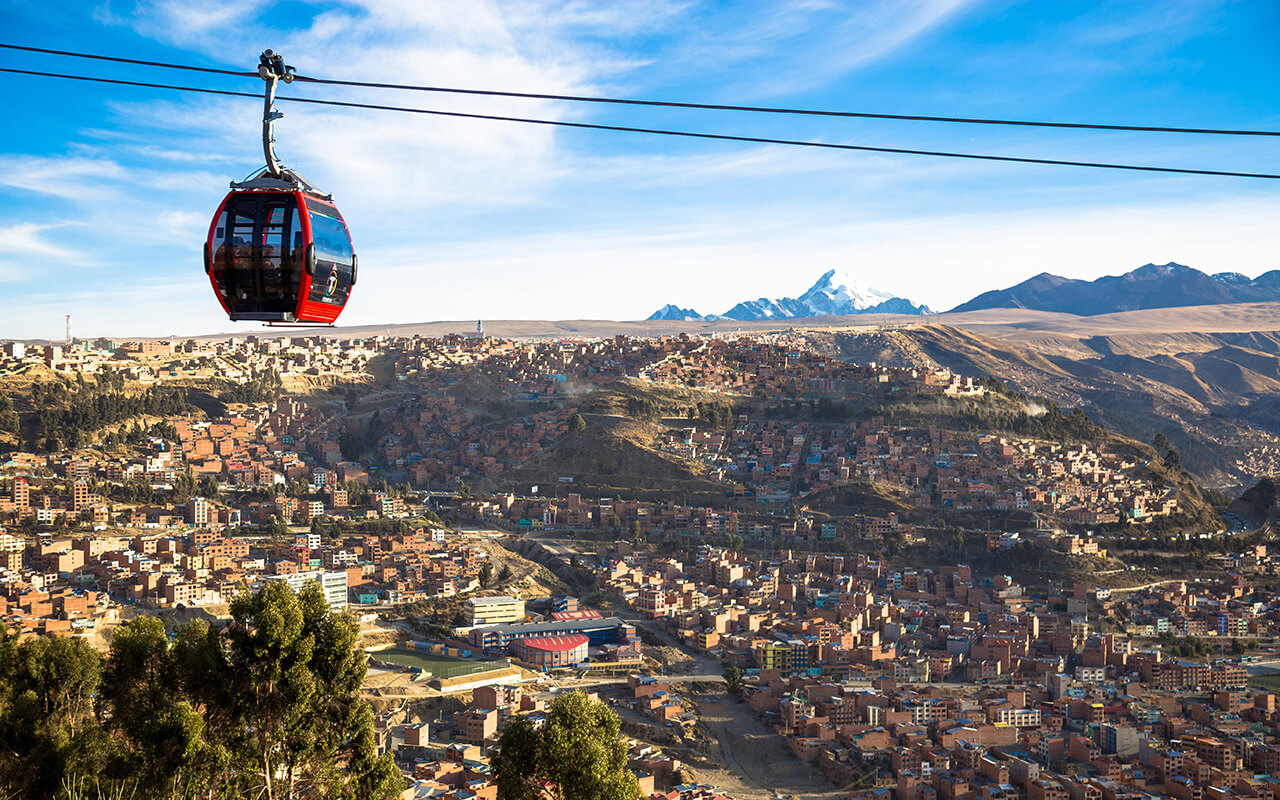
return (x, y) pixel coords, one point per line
(106, 192)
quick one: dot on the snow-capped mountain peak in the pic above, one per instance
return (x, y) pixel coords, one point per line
(834, 293)
(837, 293)
(673, 312)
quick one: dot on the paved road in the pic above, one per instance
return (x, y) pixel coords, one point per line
(1119, 589)
(598, 680)
(1263, 667)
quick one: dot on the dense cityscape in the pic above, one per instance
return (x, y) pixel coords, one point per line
(396, 473)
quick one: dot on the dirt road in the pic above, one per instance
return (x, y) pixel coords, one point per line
(758, 764)
(756, 758)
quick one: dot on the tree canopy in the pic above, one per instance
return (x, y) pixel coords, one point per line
(576, 755)
(268, 706)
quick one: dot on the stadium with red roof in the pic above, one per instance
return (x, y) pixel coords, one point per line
(552, 652)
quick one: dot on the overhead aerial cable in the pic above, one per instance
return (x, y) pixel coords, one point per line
(669, 132)
(672, 103)
(135, 61)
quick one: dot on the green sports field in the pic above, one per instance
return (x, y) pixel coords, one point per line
(438, 666)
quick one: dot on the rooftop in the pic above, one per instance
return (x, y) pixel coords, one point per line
(493, 601)
(553, 628)
(555, 644)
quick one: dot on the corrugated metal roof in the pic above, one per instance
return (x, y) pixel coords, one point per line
(555, 644)
(551, 628)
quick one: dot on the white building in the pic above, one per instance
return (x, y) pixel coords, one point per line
(494, 610)
(333, 584)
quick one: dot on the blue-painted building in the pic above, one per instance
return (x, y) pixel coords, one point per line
(599, 631)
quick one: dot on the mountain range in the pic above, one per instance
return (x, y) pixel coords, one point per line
(833, 294)
(1149, 286)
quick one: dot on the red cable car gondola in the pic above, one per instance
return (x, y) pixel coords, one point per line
(278, 250)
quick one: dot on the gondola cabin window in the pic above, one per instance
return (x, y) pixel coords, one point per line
(332, 279)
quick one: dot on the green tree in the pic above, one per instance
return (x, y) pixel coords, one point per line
(48, 730)
(164, 733)
(268, 707)
(576, 755)
(207, 486)
(288, 674)
(486, 574)
(732, 678)
(8, 416)
(183, 487)
(1160, 443)
(279, 526)
(260, 387)
(62, 674)
(577, 424)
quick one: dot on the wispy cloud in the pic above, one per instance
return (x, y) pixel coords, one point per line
(404, 161)
(711, 262)
(862, 35)
(772, 49)
(68, 177)
(27, 238)
(175, 20)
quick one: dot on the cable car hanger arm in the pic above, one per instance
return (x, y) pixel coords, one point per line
(272, 69)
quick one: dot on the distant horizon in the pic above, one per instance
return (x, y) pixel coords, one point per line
(1209, 318)
(343, 325)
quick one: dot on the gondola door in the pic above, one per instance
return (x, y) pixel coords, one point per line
(280, 280)
(256, 266)
(331, 263)
(244, 283)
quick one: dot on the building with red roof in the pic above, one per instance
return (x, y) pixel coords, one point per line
(586, 613)
(552, 652)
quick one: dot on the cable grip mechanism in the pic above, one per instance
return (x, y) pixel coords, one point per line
(272, 69)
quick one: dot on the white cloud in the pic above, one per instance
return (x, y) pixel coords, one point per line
(777, 48)
(183, 22)
(67, 177)
(870, 32)
(26, 238)
(127, 307)
(381, 160)
(710, 264)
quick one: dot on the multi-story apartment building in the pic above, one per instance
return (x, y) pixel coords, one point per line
(494, 610)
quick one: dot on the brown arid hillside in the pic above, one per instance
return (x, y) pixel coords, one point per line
(1207, 377)
(619, 453)
(1214, 395)
(613, 455)
(1258, 503)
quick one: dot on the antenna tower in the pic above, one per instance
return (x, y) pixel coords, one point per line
(68, 330)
